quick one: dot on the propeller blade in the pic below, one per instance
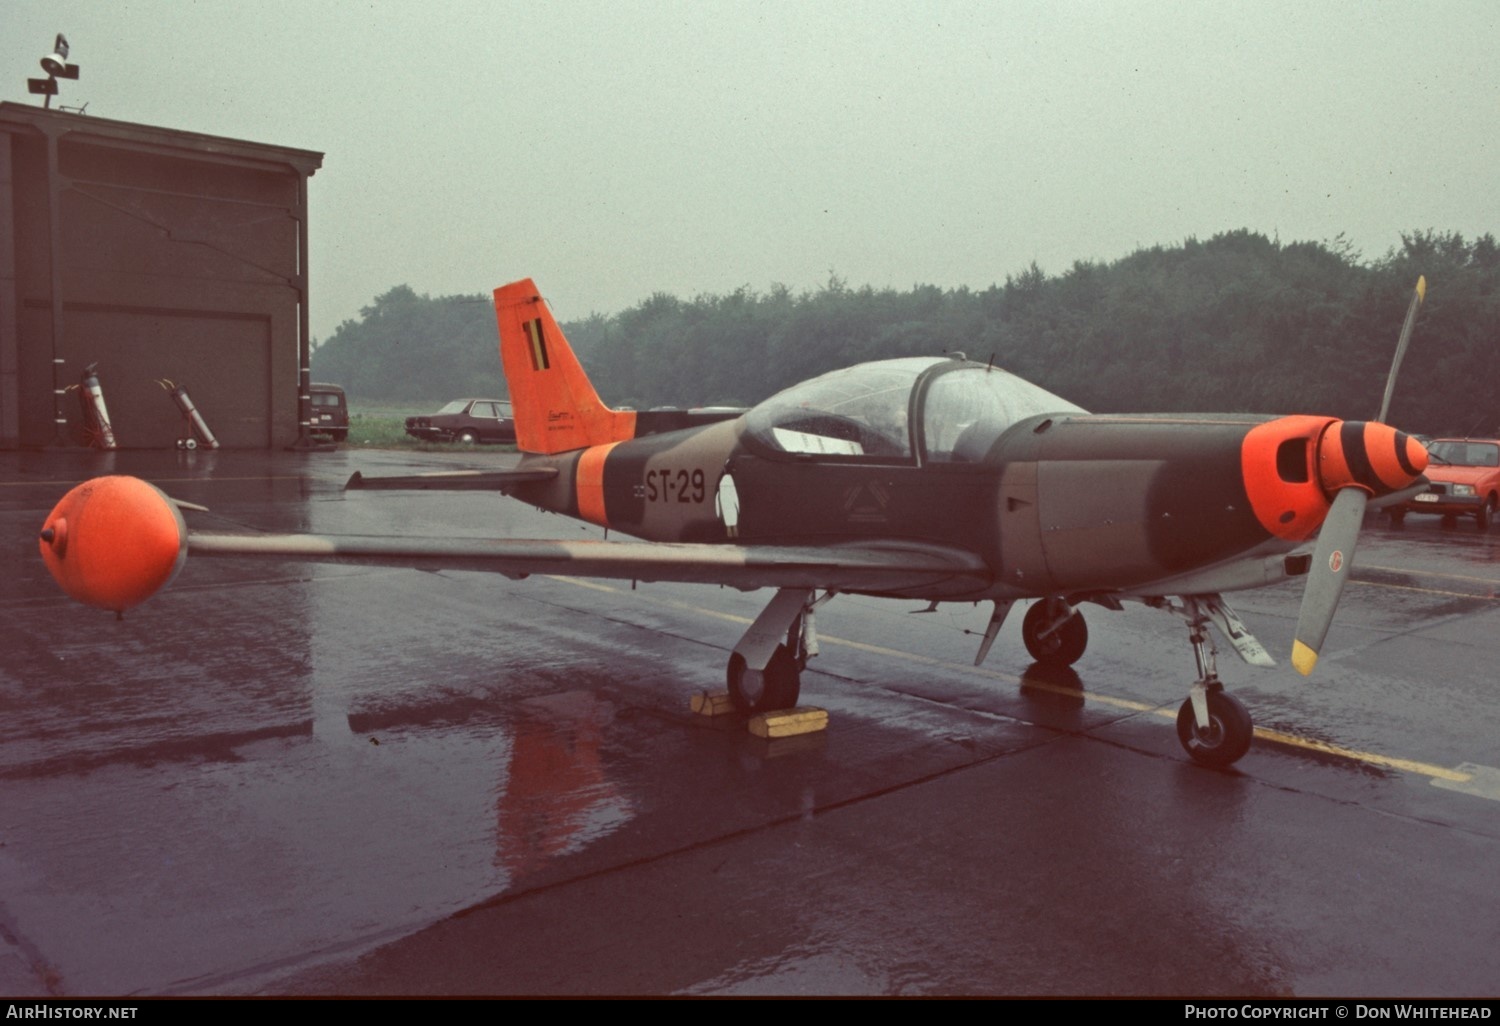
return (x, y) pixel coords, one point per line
(1331, 563)
(1417, 296)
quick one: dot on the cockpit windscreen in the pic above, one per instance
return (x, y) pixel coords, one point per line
(967, 408)
(866, 412)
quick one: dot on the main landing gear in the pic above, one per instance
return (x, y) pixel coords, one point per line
(765, 669)
(1054, 633)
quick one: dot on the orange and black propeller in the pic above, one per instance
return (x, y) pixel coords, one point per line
(1356, 460)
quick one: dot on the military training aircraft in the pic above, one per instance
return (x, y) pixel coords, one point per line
(938, 479)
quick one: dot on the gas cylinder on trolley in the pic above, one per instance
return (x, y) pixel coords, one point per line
(96, 429)
(197, 428)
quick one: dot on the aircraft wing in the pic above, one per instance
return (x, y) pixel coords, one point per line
(877, 566)
(114, 541)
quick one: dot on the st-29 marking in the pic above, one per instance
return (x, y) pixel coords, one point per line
(680, 485)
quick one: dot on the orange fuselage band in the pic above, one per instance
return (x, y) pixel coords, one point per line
(590, 484)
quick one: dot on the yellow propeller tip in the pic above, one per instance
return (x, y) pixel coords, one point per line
(1303, 658)
(1421, 287)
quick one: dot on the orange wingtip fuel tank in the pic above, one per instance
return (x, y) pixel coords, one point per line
(113, 542)
(1294, 466)
(556, 408)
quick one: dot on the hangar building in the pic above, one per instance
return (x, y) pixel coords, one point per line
(158, 255)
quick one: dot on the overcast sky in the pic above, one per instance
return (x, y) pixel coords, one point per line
(612, 150)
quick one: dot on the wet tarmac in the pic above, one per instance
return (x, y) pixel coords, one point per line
(301, 779)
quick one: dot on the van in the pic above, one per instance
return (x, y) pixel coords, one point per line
(330, 411)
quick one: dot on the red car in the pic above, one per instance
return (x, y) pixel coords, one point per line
(1465, 476)
(467, 421)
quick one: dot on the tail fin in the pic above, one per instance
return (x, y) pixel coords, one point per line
(556, 408)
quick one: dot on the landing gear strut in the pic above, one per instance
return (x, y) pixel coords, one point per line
(1212, 724)
(765, 669)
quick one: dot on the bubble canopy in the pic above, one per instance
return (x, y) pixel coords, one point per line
(947, 410)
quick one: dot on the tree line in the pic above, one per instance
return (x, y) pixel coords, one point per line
(1238, 322)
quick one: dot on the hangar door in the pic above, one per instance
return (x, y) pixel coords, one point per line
(225, 362)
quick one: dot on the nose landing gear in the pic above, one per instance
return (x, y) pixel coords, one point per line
(1213, 726)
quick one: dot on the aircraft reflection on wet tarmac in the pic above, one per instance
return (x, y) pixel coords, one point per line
(337, 780)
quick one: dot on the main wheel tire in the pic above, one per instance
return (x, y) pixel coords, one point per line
(468, 438)
(1486, 515)
(1062, 647)
(777, 688)
(1227, 736)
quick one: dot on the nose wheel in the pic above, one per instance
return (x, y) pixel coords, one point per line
(1213, 726)
(1227, 735)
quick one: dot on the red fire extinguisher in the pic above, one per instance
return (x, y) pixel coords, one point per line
(96, 427)
(197, 427)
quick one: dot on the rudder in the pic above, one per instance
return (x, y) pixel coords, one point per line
(556, 408)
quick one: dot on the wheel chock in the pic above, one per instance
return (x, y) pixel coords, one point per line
(712, 703)
(804, 719)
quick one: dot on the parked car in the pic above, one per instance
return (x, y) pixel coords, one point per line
(466, 420)
(330, 411)
(1465, 476)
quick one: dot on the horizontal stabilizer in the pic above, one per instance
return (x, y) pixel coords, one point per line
(455, 480)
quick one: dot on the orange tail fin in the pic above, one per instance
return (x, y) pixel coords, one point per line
(556, 408)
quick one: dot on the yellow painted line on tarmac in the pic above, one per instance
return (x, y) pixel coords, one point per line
(582, 584)
(1491, 582)
(1169, 713)
(1428, 591)
(1425, 769)
(895, 653)
(1431, 573)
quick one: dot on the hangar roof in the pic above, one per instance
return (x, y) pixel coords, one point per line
(17, 117)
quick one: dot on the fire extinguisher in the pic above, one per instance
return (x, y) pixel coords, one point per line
(197, 427)
(96, 427)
